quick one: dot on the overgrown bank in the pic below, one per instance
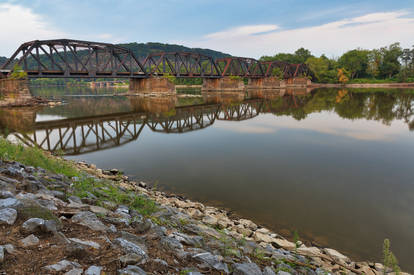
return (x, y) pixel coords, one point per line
(59, 216)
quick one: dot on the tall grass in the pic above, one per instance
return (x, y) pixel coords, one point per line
(35, 157)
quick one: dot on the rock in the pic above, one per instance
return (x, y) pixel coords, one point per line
(285, 244)
(195, 213)
(6, 194)
(8, 216)
(85, 243)
(114, 171)
(280, 272)
(1, 254)
(210, 220)
(94, 270)
(33, 225)
(212, 261)
(223, 223)
(51, 226)
(268, 271)
(98, 210)
(187, 240)
(246, 269)
(260, 237)
(142, 184)
(141, 225)
(171, 244)
(131, 270)
(309, 251)
(130, 247)
(10, 249)
(61, 266)
(29, 241)
(90, 220)
(75, 271)
(336, 255)
(10, 203)
(248, 224)
(112, 229)
(131, 259)
(75, 199)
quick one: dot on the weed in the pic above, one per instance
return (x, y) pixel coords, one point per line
(390, 261)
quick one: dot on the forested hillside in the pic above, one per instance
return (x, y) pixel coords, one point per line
(143, 49)
(2, 60)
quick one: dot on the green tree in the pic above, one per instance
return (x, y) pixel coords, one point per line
(355, 62)
(302, 55)
(390, 64)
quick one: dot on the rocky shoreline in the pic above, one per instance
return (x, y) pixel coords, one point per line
(54, 224)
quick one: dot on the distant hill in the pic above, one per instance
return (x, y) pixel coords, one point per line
(2, 60)
(143, 49)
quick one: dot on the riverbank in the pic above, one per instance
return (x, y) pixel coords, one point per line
(364, 85)
(77, 217)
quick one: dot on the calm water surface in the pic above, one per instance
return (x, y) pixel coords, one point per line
(335, 165)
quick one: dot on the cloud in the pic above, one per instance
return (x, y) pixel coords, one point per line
(369, 31)
(20, 24)
(242, 31)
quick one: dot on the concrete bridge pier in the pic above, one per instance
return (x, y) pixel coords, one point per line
(15, 92)
(298, 82)
(223, 84)
(266, 83)
(160, 85)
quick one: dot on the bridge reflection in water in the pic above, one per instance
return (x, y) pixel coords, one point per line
(82, 135)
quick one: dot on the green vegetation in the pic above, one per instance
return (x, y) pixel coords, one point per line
(35, 157)
(18, 73)
(296, 238)
(84, 184)
(388, 64)
(390, 261)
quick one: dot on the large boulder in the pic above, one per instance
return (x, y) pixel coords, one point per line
(90, 220)
(8, 216)
(246, 269)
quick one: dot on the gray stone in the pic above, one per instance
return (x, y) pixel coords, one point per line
(8, 216)
(131, 270)
(74, 199)
(30, 240)
(285, 267)
(94, 270)
(6, 194)
(132, 258)
(268, 271)
(51, 226)
(280, 272)
(61, 266)
(246, 269)
(212, 261)
(85, 243)
(141, 225)
(1, 254)
(171, 244)
(10, 203)
(10, 249)
(33, 225)
(75, 271)
(112, 229)
(130, 247)
(90, 220)
(187, 240)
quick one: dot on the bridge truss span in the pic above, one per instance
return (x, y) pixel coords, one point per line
(74, 58)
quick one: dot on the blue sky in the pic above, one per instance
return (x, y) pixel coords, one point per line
(248, 28)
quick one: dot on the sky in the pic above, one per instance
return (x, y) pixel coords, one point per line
(241, 28)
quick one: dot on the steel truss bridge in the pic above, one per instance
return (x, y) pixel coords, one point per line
(66, 58)
(89, 134)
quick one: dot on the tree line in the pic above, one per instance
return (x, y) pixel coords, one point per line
(387, 64)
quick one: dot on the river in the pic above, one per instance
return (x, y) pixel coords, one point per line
(334, 165)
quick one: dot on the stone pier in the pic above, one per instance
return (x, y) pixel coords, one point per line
(151, 85)
(223, 84)
(15, 92)
(266, 83)
(299, 82)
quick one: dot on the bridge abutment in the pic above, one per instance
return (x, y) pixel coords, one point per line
(151, 85)
(266, 83)
(299, 82)
(15, 92)
(223, 84)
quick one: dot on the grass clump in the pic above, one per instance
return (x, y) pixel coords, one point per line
(35, 157)
(390, 261)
